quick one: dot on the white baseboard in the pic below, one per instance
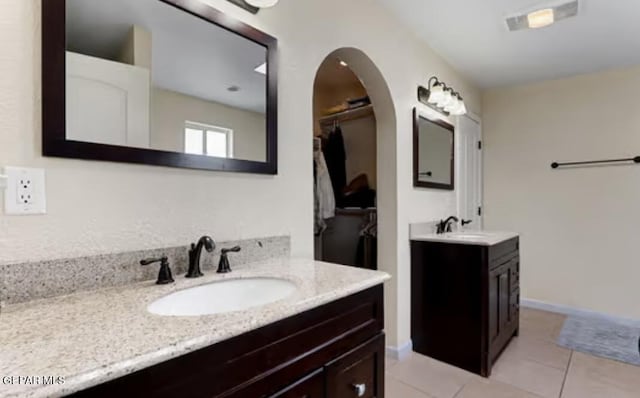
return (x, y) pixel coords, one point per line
(568, 310)
(400, 352)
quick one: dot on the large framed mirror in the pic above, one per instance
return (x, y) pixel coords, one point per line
(433, 152)
(160, 82)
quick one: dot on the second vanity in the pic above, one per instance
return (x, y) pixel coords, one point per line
(324, 339)
(465, 296)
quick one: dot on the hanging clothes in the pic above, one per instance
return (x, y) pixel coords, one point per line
(336, 158)
(324, 199)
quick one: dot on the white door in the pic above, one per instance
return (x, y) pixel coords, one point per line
(470, 176)
(107, 102)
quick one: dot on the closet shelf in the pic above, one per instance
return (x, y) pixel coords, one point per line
(350, 114)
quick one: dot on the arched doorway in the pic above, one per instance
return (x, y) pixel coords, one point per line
(376, 88)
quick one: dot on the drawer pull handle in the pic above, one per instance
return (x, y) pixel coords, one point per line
(361, 389)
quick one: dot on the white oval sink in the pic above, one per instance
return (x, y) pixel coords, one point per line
(225, 296)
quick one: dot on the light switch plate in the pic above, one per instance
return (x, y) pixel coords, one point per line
(25, 192)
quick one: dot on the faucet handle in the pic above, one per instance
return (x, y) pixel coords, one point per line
(149, 261)
(224, 266)
(164, 275)
(234, 249)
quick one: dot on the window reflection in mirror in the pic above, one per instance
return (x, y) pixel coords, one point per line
(144, 74)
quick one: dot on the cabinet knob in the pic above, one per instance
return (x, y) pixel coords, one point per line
(361, 389)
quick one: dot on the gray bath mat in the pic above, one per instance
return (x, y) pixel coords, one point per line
(612, 339)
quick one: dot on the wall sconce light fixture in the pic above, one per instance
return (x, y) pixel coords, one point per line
(253, 6)
(262, 3)
(442, 98)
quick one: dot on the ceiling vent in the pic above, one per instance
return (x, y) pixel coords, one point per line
(543, 16)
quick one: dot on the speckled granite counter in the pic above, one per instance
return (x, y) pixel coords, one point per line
(93, 337)
(479, 238)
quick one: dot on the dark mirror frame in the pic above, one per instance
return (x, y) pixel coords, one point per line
(416, 152)
(54, 142)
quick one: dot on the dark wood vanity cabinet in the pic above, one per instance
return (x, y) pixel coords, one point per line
(312, 386)
(333, 351)
(465, 301)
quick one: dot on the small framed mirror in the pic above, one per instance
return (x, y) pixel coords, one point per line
(161, 82)
(433, 152)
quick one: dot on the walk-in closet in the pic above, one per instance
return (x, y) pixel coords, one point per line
(345, 168)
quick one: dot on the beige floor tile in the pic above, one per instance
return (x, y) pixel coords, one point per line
(428, 375)
(529, 376)
(541, 351)
(390, 363)
(593, 377)
(492, 389)
(396, 389)
(540, 324)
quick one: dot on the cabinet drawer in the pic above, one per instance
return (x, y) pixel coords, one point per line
(503, 252)
(311, 386)
(359, 373)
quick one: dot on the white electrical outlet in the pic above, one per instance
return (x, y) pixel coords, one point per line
(25, 192)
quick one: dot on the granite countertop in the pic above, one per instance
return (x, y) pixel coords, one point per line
(92, 337)
(479, 238)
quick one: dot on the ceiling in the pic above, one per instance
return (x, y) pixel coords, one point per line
(190, 56)
(472, 36)
(331, 74)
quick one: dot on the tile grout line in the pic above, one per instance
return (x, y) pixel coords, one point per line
(411, 386)
(460, 390)
(566, 374)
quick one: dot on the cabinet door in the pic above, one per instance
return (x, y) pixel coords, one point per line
(499, 298)
(359, 373)
(311, 386)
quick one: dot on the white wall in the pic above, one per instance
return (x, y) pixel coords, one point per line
(138, 48)
(579, 226)
(170, 110)
(98, 207)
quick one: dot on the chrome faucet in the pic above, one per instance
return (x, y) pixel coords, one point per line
(195, 253)
(445, 225)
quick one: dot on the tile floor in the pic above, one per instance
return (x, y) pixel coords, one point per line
(533, 366)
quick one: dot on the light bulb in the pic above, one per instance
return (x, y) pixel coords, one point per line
(446, 99)
(436, 94)
(463, 109)
(541, 18)
(452, 105)
(460, 110)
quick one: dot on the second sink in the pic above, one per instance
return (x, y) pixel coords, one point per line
(466, 235)
(221, 297)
